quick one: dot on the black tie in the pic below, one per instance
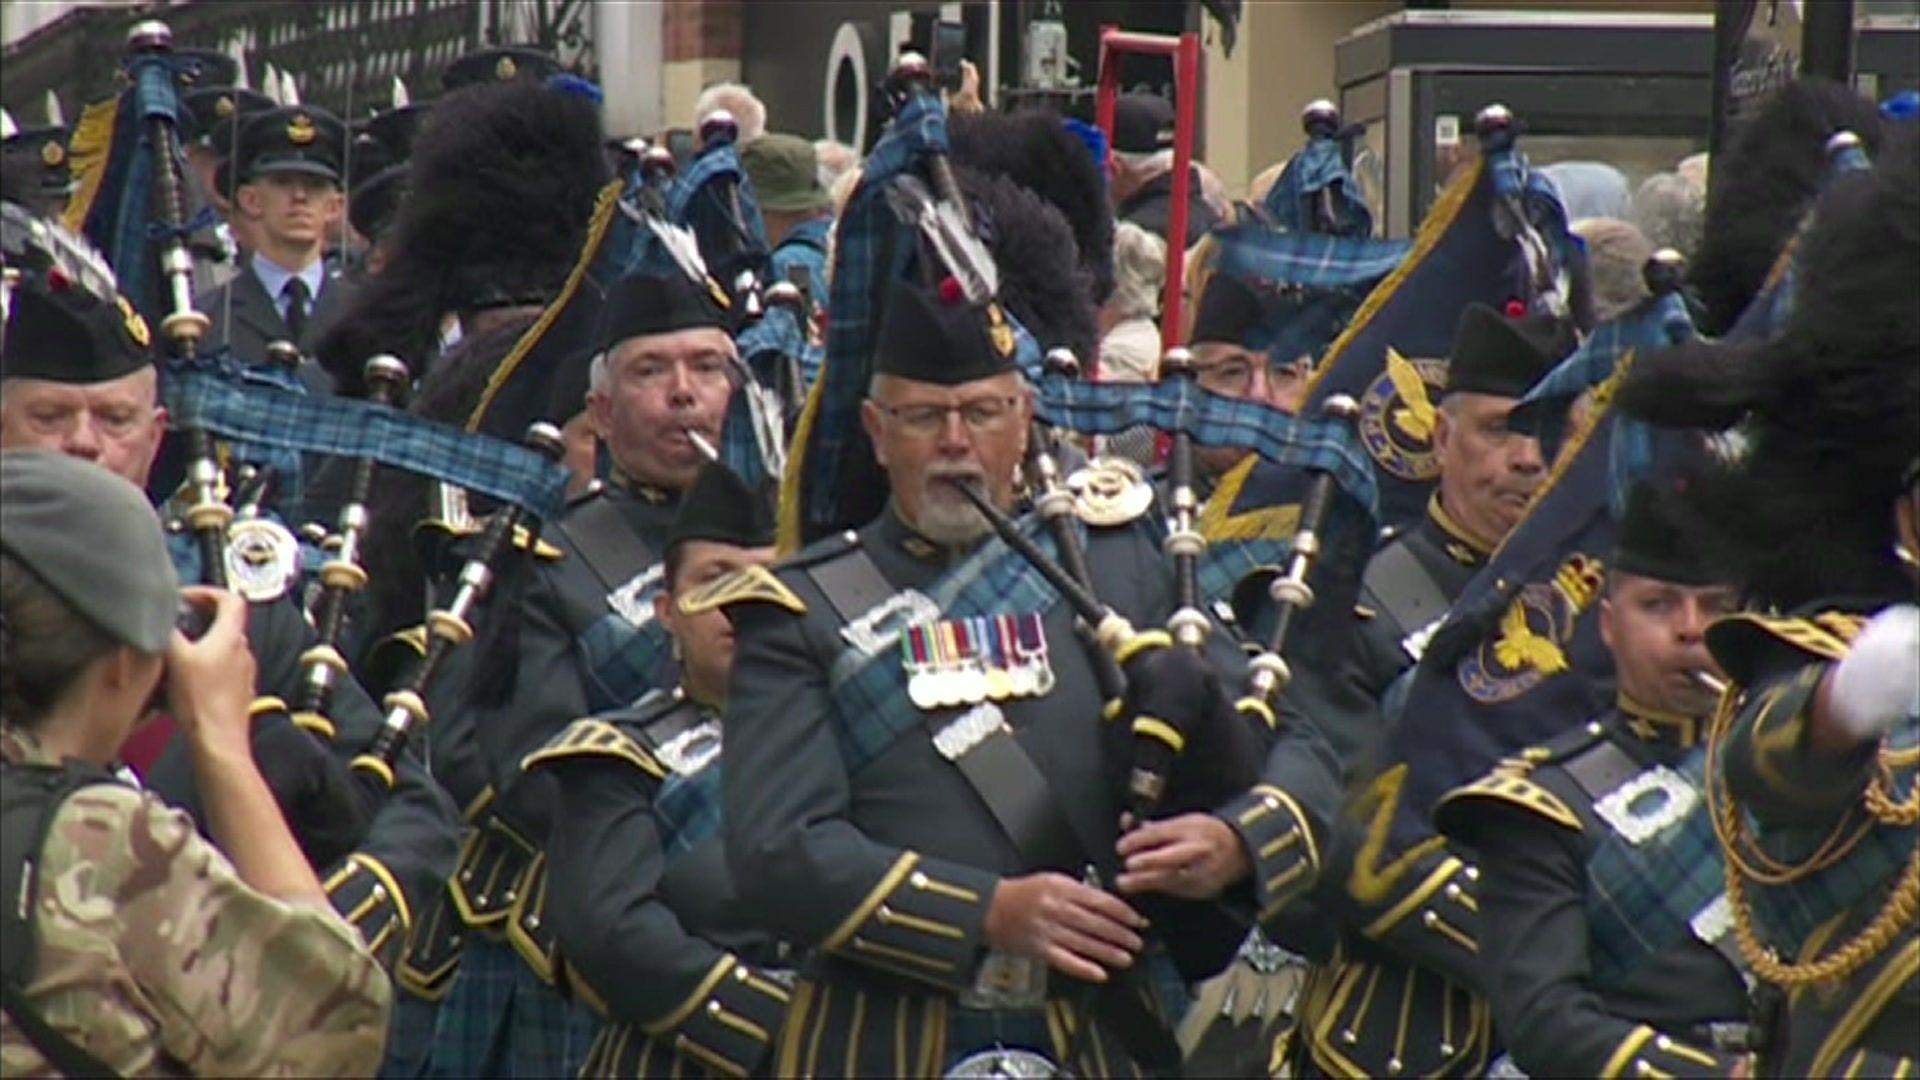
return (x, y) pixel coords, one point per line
(296, 293)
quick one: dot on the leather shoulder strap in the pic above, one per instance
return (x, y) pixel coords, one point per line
(1402, 588)
(605, 543)
(851, 582)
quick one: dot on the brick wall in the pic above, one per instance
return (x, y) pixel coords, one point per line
(702, 30)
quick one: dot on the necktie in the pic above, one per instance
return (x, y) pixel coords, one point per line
(295, 292)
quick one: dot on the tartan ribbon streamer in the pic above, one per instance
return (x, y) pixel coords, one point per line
(721, 162)
(209, 395)
(625, 660)
(1660, 322)
(869, 693)
(868, 252)
(1319, 166)
(1212, 420)
(688, 808)
(1313, 260)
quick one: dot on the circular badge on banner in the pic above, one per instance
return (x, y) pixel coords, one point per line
(1534, 633)
(1397, 415)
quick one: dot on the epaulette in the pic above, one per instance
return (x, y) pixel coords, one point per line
(462, 530)
(747, 585)
(594, 737)
(1744, 643)
(1511, 780)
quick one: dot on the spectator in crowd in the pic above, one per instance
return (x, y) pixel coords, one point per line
(786, 181)
(748, 111)
(1669, 209)
(834, 160)
(1129, 320)
(1617, 254)
(1142, 164)
(1589, 189)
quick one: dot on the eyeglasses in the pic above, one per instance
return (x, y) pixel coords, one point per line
(983, 416)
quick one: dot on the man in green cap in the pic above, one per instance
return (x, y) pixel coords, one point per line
(785, 174)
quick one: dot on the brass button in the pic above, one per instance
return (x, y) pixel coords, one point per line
(1429, 919)
(917, 879)
(1394, 1066)
(1347, 1036)
(1270, 802)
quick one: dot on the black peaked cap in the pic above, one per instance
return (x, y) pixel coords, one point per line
(927, 339)
(1493, 354)
(499, 65)
(210, 108)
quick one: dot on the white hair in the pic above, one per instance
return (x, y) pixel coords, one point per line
(599, 378)
(1139, 271)
(835, 159)
(738, 99)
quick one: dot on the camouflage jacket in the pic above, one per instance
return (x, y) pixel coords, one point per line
(155, 958)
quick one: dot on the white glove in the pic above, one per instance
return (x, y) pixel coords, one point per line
(1877, 684)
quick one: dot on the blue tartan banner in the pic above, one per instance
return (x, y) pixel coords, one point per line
(262, 418)
(693, 196)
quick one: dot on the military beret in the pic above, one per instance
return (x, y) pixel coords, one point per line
(1493, 354)
(70, 335)
(721, 507)
(929, 337)
(1653, 542)
(94, 539)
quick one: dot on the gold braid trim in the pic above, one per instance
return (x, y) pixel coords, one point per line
(1895, 915)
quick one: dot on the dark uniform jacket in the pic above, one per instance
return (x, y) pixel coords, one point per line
(248, 320)
(1394, 990)
(1151, 207)
(888, 871)
(1860, 1021)
(1535, 827)
(562, 626)
(650, 922)
(408, 850)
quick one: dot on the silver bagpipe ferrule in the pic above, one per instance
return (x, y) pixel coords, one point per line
(1268, 671)
(341, 576)
(1184, 544)
(451, 626)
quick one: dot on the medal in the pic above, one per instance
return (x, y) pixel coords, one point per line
(913, 657)
(1033, 651)
(970, 679)
(1000, 666)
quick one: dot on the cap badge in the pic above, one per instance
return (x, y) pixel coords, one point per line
(998, 332)
(300, 130)
(505, 69)
(52, 154)
(719, 294)
(224, 107)
(135, 325)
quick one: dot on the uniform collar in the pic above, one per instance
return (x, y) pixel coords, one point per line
(1455, 540)
(640, 489)
(895, 531)
(1658, 726)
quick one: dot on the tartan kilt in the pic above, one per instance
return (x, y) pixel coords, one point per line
(500, 1020)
